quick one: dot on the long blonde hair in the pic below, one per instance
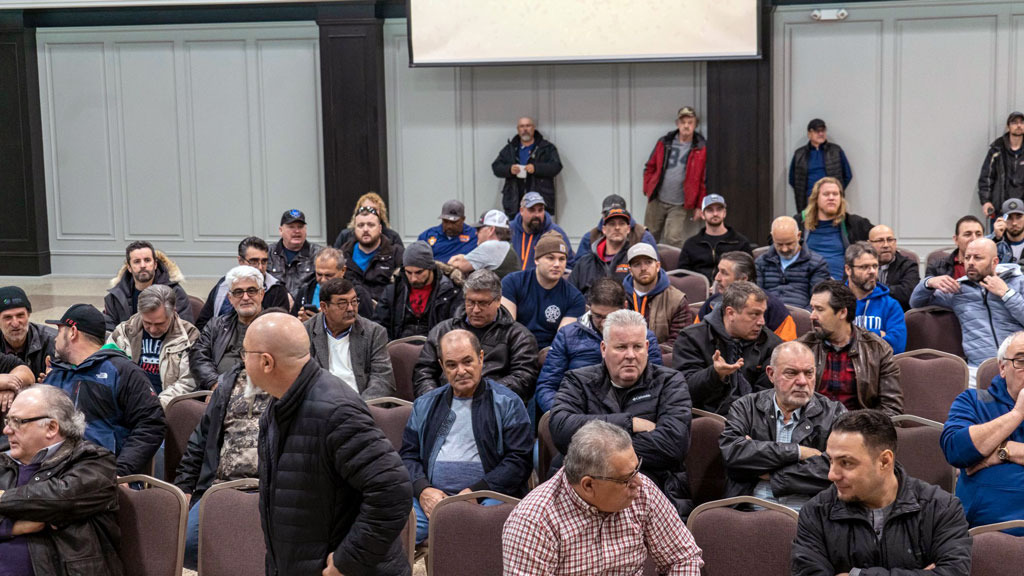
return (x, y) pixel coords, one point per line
(811, 212)
(378, 203)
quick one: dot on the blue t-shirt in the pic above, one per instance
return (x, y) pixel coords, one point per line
(542, 310)
(361, 258)
(815, 168)
(524, 154)
(827, 240)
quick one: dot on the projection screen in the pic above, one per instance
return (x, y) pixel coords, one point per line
(475, 32)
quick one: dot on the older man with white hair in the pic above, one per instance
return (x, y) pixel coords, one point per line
(219, 347)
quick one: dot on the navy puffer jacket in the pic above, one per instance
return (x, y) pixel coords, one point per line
(792, 285)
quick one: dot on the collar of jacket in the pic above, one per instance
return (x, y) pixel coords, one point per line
(729, 236)
(765, 403)
(482, 388)
(698, 139)
(905, 503)
(304, 251)
(33, 340)
(538, 140)
(385, 248)
(802, 256)
(461, 322)
(855, 332)
(717, 325)
(286, 407)
(167, 273)
(606, 380)
(824, 146)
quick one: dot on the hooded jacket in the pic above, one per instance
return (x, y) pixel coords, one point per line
(903, 274)
(39, 343)
(698, 255)
(524, 243)
(546, 164)
(693, 355)
(792, 285)
(174, 369)
(1002, 175)
(301, 270)
(590, 268)
(117, 304)
(575, 346)
(585, 242)
(695, 180)
(396, 315)
(383, 265)
(985, 320)
(665, 308)
(879, 312)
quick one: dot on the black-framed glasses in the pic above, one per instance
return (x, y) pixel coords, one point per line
(250, 292)
(1017, 363)
(342, 304)
(258, 262)
(865, 266)
(471, 303)
(367, 210)
(15, 423)
(626, 480)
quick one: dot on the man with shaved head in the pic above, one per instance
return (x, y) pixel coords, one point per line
(899, 273)
(788, 270)
(317, 439)
(987, 300)
(528, 163)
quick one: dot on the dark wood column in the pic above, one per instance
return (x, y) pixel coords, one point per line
(354, 115)
(740, 137)
(24, 238)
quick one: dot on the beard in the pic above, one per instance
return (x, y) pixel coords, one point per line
(251, 390)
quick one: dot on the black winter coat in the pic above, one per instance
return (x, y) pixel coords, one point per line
(301, 270)
(698, 255)
(330, 481)
(379, 270)
(207, 352)
(117, 304)
(926, 525)
(38, 345)
(546, 164)
(1002, 173)
(395, 315)
(746, 459)
(903, 275)
(659, 396)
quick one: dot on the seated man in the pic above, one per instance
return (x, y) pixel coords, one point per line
(987, 301)
(453, 236)
(649, 292)
(31, 342)
(739, 266)
(613, 201)
(967, 230)
(875, 519)
(828, 226)
(143, 267)
(371, 260)
(510, 350)
(877, 311)
(854, 366)
(420, 298)
(220, 344)
(121, 409)
(556, 531)
(787, 270)
(540, 298)
(291, 257)
(58, 493)
(252, 251)
(702, 251)
(579, 344)
(329, 263)
(159, 341)
(984, 437)
(349, 346)
(531, 224)
(723, 357)
(608, 254)
(649, 401)
(773, 440)
(467, 435)
(493, 250)
(895, 270)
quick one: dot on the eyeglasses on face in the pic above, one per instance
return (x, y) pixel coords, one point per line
(889, 240)
(258, 262)
(16, 423)
(342, 304)
(472, 303)
(625, 480)
(1017, 363)
(250, 292)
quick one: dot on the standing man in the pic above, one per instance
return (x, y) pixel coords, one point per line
(1008, 231)
(420, 298)
(818, 159)
(143, 267)
(453, 236)
(252, 251)
(967, 230)
(789, 270)
(527, 163)
(291, 257)
(877, 311)
(895, 270)
(649, 292)
(1002, 172)
(828, 226)
(675, 181)
(702, 251)
(493, 248)
(319, 440)
(30, 342)
(370, 257)
(533, 222)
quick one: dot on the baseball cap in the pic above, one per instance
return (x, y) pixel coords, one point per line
(612, 201)
(453, 211)
(712, 199)
(290, 216)
(641, 249)
(617, 213)
(13, 297)
(686, 111)
(1014, 115)
(1013, 206)
(816, 124)
(532, 199)
(86, 318)
(494, 218)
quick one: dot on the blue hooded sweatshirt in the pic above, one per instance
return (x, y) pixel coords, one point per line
(523, 242)
(879, 312)
(660, 286)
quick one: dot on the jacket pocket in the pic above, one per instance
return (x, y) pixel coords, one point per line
(91, 566)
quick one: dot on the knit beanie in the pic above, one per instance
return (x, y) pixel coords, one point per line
(420, 255)
(549, 243)
(13, 297)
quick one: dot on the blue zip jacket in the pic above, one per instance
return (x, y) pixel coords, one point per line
(501, 429)
(575, 346)
(994, 494)
(524, 243)
(879, 312)
(444, 247)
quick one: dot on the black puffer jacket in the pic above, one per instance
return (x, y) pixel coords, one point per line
(659, 396)
(902, 277)
(395, 315)
(330, 481)
(379, 270)
(925, 526)
(510, 354)
(546, 164)
(74, 489)
(750, 447)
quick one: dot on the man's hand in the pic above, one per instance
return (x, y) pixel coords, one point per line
(466, 491)
(43, 375)
(930, 566)
(724, 368)
(998, 228)
(5, 400)
(698, 215)
(995, 285)
(988, 208)
(808, 452)
(1018, 407)
(305, 314)
(515, 168)
(529, 168)
(429, 498)
(331, 570)
(22, 527)
(642, 425)
(10, 383)
(945, 284)
(990, 460)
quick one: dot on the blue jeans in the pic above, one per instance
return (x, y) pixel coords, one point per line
(422, 524)
(192, 538)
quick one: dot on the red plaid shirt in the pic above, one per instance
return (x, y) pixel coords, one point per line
(554, 532)
(838, 379)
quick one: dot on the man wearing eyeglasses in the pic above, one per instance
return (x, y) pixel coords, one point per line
(291, 257)
(252, 251)
(895, 270)
(877, 311)
(220, 343)
(351, 347)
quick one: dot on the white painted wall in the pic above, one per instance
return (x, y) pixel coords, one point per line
(192, 137)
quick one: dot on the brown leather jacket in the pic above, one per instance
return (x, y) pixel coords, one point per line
(878, 375)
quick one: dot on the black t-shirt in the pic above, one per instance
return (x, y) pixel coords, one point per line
(149, 359)
(135, 299)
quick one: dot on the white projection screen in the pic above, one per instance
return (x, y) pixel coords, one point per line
(475, 32)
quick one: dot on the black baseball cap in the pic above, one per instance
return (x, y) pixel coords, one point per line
(1014, 116)
(612, 201)
(290, 216)
(86, 318)
(816, 124)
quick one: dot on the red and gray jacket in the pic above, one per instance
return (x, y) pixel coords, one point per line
(695, 182)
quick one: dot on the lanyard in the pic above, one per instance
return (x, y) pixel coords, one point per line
(640, 307)
(524, 248)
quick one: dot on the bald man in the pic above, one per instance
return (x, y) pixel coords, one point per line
(318, 439)
(899, 273)
(987, 301)
(788, 270)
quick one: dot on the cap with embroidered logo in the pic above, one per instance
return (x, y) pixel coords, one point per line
(86, 318)
(290, 216)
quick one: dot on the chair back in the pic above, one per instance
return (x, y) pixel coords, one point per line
(694, 285)
(669, 256)
(988, 370)
(935, 328)
(404, 353)
(230, 534)
(183, 414)
(704, 465)
(392, 420)
(465, 537)
(931, 380)
(802, 319)
(152, 522)
(196, 304)
(994, 553)
(919, 450)
(760, 251)
(695, 308)
(736, 542)
(546, 449)
(910, 255)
